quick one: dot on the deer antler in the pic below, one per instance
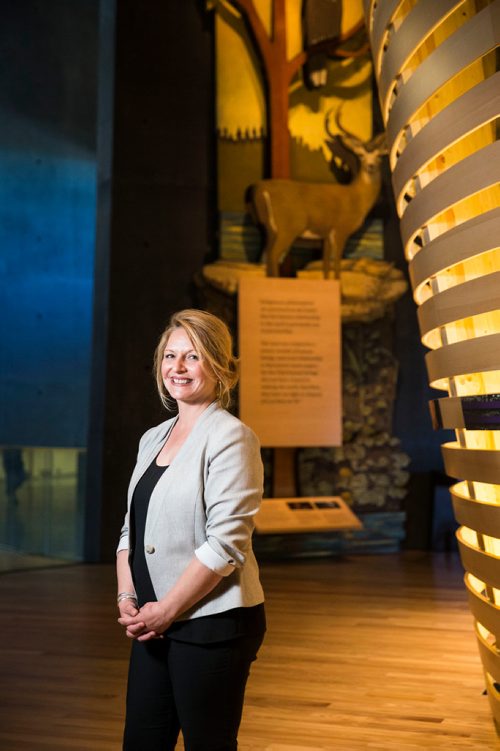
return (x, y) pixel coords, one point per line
(351, 140)
(348, 136)
(342, 129)
(329, 132)
(379, 144)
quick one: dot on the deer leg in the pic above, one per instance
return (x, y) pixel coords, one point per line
(326, 257)
(270, 254)
(329, 254)
(338, 249)
(276, 249)
(277, 254)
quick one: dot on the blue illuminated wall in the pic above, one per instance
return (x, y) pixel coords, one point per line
(48, 91)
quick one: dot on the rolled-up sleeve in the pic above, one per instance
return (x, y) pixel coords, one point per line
(232, 495)
(123, 542)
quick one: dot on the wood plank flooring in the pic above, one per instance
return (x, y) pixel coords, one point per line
(364, 653)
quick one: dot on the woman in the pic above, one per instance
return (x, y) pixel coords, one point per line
(188, 586)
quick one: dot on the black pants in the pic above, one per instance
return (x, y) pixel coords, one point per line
(197, 688)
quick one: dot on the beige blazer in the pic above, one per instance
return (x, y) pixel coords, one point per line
(203, 505)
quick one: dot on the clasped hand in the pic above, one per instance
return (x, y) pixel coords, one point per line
(148, 622)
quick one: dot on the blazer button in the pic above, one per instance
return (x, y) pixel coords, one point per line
(150, 549)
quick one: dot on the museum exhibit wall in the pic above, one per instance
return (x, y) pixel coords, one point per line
(257, 52)
(437, 68)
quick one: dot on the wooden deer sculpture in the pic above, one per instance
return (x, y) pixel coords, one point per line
(288, 209)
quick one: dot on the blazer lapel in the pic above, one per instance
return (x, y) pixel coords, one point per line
(153, 449)
(182, 459)
(147, 456)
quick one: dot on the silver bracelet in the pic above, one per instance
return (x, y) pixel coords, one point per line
(126, 596)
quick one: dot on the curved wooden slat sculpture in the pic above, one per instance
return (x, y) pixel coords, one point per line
(477, 515)
(439, 84)
(471, 298)
(468, 112)
(416, 27)
(474, 173)
(480, 465)
(472, 41)
(469, 412)
(472, 238)
(460, 358)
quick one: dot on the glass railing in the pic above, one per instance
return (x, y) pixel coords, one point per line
(41, 501)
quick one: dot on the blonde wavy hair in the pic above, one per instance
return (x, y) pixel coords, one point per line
(212, 341)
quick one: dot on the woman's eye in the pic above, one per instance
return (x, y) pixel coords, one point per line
(168, 355)
(193, 357)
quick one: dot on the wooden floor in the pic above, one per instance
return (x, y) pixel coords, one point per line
(10, 561)
(361, 653)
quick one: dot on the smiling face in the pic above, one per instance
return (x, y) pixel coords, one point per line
(183, 372)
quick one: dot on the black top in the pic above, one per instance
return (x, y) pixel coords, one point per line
(203, 630)
(138, 512)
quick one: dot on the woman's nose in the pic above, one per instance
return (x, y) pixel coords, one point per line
(180, 365)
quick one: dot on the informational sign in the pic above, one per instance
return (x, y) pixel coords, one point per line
(289, 346)
(289, 515)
